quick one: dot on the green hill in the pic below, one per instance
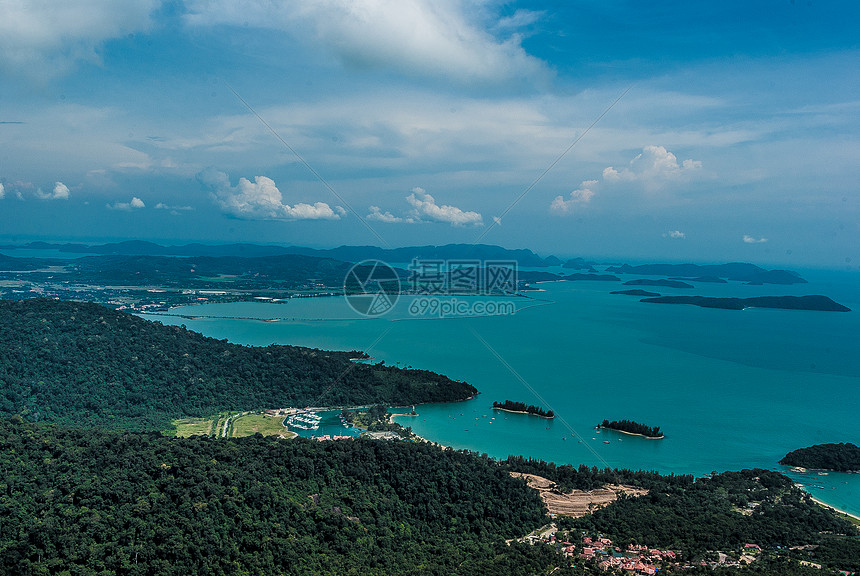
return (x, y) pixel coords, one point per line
(85, 364)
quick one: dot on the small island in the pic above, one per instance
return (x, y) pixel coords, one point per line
(631, 427)
(637, 293)
(842, 457)
(814, 302)
(578, 276)
(521, 408)
(663, 282)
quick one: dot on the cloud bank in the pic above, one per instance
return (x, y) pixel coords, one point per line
(430, 38)
(261, 200)
(42, 38)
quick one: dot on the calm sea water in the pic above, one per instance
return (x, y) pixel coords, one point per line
(730, 389)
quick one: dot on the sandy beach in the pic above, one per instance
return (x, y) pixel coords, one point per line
(834, 508)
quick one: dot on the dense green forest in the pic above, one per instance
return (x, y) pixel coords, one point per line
(84, 364)
(143, 503)
(75, 501)
(632, 427)
(521, 407)
(842, 457)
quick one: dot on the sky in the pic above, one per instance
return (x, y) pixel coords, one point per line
(672, 131)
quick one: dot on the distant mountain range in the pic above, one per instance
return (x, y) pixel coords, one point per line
(344, 253)
(483, 253)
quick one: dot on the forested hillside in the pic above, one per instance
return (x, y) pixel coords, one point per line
(719, 512)
(84, 364)
(87, 502)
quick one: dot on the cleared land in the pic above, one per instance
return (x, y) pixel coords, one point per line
(579, 502)
(251, 424)
(237, 426)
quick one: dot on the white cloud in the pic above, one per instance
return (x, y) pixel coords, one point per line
(753, 240)
(581, 195)
(60, 192)
(424, 207)
(654, 167)
(520, 19)
(42, 38)
(431, 38)
(261, 199)
(175, 210)
(377, 214)
(135, 204)
(674, 234)
(2, 191)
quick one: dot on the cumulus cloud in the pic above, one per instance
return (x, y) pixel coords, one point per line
(581, 195)
(377, 214)
(654, 167)
(42, 38)
(60, 192)
(424, 207)
(174, 210)
(677, 234)
(432, 38)
(261, 199)
(753, 240)
(135, 204)
(2, 191)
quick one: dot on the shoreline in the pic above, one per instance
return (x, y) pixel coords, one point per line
(834, 508)
(660, 437)
(415, 436)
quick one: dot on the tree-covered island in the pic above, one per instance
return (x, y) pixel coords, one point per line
(631, 427)
(520, 407)
(842, 457)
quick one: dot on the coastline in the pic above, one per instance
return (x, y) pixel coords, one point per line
(834, 508)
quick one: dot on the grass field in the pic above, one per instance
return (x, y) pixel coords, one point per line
(240, 425)
(186, 427)
(250, 424)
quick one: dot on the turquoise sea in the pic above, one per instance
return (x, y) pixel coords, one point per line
(730, 389)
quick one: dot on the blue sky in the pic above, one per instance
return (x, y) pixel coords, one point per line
(423, 122)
